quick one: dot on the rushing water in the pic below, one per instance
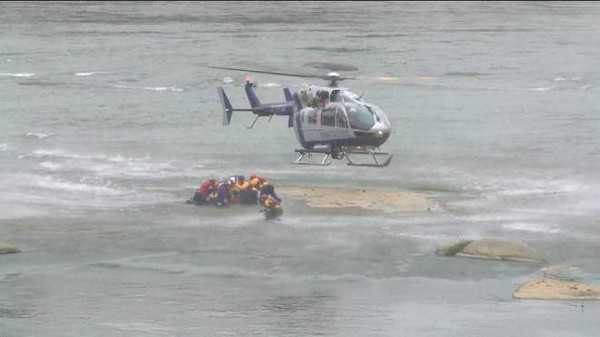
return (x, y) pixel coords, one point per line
(109, 119)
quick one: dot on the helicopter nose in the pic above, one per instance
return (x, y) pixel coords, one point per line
(384, 133)
(381, 136)
(381, 130)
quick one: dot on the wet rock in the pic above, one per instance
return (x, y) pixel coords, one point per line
(453, 249)
(6, 248)
(492, 249)
(553, 289)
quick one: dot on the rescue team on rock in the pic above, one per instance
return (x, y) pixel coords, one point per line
(237, 190)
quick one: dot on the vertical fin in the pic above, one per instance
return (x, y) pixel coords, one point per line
(297, 102)
(288, 95)
(289, 98)
(252, 98)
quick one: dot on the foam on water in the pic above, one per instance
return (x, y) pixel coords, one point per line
(146, 328)
(50, 165)
(137, 169)
(39, 135)
(103, 165)
(17, 74)
(34, 191)
(57, 153)
(541, 88)
(89, 73)
(51, 183)
(532, 227)
(170, 88)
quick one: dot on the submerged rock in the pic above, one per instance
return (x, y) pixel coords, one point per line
(6, 248)
(553, 289)
(376, 200)
(491, 249)
(563, 273)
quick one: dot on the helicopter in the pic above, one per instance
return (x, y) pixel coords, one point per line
(329, 121)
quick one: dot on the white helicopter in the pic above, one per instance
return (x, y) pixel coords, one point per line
(328, 120)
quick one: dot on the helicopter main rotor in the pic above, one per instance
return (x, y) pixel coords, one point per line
(333, 77)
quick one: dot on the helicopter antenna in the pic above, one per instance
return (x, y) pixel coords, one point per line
(333, 77)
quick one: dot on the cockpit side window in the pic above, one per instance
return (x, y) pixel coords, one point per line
(360, 117)
(373, 113)
(335, 96)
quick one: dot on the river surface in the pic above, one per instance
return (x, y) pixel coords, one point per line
(109, 119)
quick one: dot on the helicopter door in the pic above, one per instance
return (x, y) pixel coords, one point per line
(334, 123)
(341, 120)
(311, 124)
(328, 116)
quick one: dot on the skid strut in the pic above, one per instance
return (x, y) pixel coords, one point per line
(253, 122)
(380, 159)
(307, 154)
(377, 162)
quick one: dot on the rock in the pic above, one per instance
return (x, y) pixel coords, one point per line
(6, 248)
(491, 249)
(552, 289)
(502, 250)
(451, 250)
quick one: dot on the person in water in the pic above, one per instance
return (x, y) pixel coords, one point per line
(268, 190)
(268, 201)
(204, 191)
(236, 189)
(248, 196)
(256, 182)
(271, 207)
(220, 197)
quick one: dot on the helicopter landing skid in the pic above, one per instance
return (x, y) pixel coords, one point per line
(307, 154)
(304, 154)
(377, 163)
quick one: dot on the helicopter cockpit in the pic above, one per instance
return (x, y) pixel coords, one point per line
(361, 115)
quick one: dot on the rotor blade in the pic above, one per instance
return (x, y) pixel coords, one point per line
(331, 66)
(268, 72)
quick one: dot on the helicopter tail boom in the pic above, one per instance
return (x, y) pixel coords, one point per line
(261, 110)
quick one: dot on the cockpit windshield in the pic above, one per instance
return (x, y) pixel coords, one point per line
(359, 114)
